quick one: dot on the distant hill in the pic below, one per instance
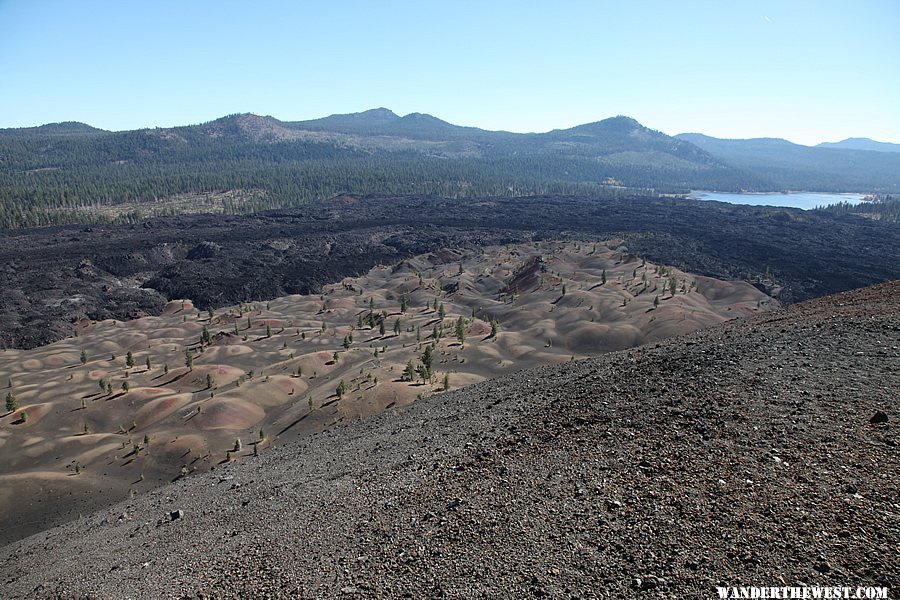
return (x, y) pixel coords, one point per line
(861, 144)
(790, 166)
(63, 128)
(72, 172)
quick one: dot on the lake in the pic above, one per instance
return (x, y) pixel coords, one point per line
(804, 200)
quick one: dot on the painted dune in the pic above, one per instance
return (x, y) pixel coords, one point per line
(159, 397)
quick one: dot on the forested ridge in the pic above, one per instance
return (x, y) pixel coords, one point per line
(72, 172)
(878, 207)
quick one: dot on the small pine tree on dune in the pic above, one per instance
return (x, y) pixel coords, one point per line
(495, 327)
(11, 402)
(409, 373)
(461, 331)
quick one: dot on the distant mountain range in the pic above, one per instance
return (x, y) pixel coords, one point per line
(861, 144)
(790, 166)
(64, 172)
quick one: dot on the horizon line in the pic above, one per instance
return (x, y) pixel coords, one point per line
(382, 108)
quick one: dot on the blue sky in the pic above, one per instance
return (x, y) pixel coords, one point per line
(808, 71)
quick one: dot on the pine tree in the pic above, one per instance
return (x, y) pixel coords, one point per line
(341, 389)
(129, 360)
(84, 356)
(441, 312)
(11, 402)
(147, 362)
(397, 327)
(189, 359)
(461, 331)
(446, 381)
(409, 373)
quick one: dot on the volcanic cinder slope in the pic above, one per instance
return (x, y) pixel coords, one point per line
(87, 435)
(758, 452)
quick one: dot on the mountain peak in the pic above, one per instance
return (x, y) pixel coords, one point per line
(861, 143)
(614, 125)
(378, 113)
(62, 128)
(246, 125)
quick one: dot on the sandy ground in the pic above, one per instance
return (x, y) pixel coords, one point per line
(267, 372)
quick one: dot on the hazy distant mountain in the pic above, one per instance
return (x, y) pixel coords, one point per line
(861, 144)
(791, 166)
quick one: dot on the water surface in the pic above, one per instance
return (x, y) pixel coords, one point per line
(804, 200)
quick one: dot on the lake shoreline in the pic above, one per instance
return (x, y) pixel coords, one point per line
(793, 199)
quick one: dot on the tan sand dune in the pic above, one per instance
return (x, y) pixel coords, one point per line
(154, 411)
(280, 372)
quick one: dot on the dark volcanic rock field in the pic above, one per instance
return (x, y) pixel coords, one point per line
(760, 452)
(53, 276)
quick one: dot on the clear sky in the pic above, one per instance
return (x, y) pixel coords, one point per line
(808, 71)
